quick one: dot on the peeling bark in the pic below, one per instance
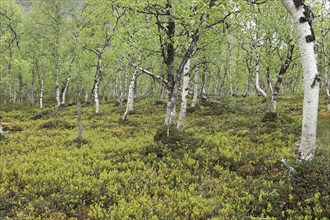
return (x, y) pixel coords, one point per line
(302, 18)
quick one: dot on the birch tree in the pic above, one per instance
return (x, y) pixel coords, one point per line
(131, 94)
(10, 18)
(303, 18)
(99, 32)
(185, 92)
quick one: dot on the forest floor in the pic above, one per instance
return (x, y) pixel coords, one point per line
(225, 165)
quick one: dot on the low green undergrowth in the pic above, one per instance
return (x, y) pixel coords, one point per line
(225, 165)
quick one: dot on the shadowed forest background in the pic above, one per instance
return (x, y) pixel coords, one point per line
(159, 110)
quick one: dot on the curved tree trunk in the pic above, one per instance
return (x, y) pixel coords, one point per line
(283, 70)
(259, 89)
(66, 87)
(73, 58)
(131, 94)
(302, 18)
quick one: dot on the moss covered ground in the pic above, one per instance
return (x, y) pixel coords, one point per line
(225, 165)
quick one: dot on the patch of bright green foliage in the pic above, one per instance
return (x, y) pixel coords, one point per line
(225, 165)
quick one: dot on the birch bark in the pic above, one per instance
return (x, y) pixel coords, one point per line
(131, 94)
(280, 75)
(57, 60)
(97, 80)
(41, 98)
(259, 89)
(302, 18)
(73, 58)
(185, 92)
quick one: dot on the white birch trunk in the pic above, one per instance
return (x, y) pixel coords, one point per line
(57, 72)
(263, 93)
(170, 108)
(67, 81)
(131, 94)
(194, 100)
(307, 145)
(280, 75)
(185, 92)
(41, 98)
(96, 98)
(96, 84)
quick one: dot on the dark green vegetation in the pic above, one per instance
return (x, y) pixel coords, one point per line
(225, 165)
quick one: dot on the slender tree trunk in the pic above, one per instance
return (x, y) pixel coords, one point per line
(67, 80)
(73, 58)
(248, 62)
(170, 82)
(185, 92)
(131, 94)
(263, 93)
(194, 100)
(57, 69)
(202, 89)
(269, 81)
(283, 70)
(303, 18)
(97, 80)
(41, 98)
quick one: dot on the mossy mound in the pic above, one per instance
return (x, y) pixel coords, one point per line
(55, 123)
(10, 127)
